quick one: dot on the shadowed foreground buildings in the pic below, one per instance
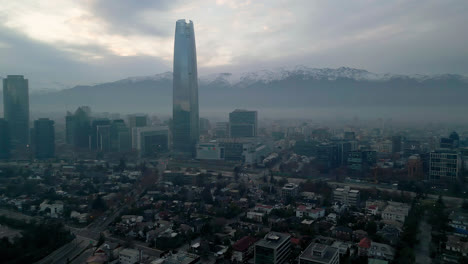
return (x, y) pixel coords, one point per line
(185, 127)
(78, 127)
(275, 248)
(44, 138)
(16, 108)
(4, 139)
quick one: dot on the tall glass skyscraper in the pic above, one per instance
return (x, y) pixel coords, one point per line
(185, 123)
(16, 108)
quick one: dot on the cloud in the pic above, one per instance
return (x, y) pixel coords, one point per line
(383, 36)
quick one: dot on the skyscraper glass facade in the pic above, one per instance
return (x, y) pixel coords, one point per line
(185, 126)
(16, 108)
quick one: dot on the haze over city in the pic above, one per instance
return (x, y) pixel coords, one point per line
(233, 132)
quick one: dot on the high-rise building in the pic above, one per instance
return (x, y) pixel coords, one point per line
(44, 138)
(120, 139)
(185, 123)
(4, 139)
(221, 130)
(78, 127)
(205, 125)
(328, 155)
(445, 166)
(137, 120)
(242, 123)
(275, 248)
(94, 139)
(103, 138)
(16, 108)
(151, 141)
(396, 144)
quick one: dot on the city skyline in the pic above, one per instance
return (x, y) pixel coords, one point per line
(96, 44)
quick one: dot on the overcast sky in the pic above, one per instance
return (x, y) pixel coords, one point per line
(62, 43)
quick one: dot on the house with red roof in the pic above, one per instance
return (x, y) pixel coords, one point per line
(308, 211)
(242, 250)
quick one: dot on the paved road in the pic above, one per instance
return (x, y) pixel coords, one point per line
(422, 251)
(66, 252)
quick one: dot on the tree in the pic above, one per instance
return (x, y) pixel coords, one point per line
(99, 204)
(122, 165)
(101, 240)
(206, 195)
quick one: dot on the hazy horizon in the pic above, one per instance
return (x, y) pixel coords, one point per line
(59, 44)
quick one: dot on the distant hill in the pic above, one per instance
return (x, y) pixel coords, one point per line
(299, 87)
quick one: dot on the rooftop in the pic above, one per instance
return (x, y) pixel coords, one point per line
(273, 240)
(244, 243)
(319, 253)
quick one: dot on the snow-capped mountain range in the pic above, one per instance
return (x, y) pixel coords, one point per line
(303, 72)
(284, 88)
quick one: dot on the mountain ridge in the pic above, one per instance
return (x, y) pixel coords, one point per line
(298, 87)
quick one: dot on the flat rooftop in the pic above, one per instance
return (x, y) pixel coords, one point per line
(273, 240)
(319, 253)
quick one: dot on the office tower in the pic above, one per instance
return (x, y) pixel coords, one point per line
(120, 139)
(221, 129)
(44, 138)
(275, 248)
(103, 139)
(444, 166)
(93, 137)
(396, 144)
(451, 142)
(242, 123)
(78, 127)
(152, 141)
(205, 126)
(455, 138)
(328, 156)
(185, 126)
(16, 108)
(137, 120)
(4, 139)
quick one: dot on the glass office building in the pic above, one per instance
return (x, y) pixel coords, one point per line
(16, 108)
(185, 126)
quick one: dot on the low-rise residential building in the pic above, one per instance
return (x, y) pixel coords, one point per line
(129, 256)
(182, 258)
(53, 209)
(455, 244)
(255, 216)
(375, 250)
(263, 208)
(459, 222)
(347, 196)
(395, 213)
(290, 190)
(308, 211)
(243, 249)
(317, 253)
